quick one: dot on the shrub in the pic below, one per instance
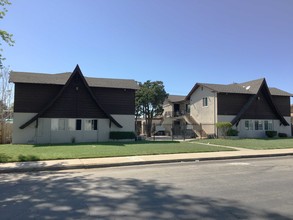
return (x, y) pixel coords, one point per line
(232, 132)
(118, 135)
(271, 134)
(23, 158)
(281, 135)
(223, 127)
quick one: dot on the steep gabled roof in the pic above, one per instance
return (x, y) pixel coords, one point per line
(76, 71)
(250, 87)
(253, 88)
(279, 92)
(62, 78)
(262, 87)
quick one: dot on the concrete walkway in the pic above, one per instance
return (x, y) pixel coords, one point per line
(139, 160)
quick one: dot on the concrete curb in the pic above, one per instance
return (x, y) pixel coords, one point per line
(80, 164)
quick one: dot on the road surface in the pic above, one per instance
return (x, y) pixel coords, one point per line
(231, 189)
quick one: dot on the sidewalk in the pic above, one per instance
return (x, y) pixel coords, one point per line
(138, 160)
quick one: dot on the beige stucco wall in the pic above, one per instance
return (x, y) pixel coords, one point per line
(205, 115)
(168, 108)
(44, 134)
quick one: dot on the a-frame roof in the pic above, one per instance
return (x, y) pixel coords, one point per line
(76, 71)
(250, 88)
(253, 88)
(261, 87)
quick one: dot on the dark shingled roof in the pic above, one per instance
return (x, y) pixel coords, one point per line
(250, 87)
(75, 72)
(61, 79)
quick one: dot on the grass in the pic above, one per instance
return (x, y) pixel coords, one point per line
(14, 153)
(256, 144)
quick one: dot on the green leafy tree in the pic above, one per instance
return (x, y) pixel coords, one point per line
(5, 36)
(149, 101)
(6, 93)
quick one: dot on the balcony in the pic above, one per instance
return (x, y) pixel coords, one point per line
(173, 114)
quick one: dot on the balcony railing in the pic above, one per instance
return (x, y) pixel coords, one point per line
(171, 114)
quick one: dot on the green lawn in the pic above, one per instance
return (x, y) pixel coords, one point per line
(257, 144)
(9, 153)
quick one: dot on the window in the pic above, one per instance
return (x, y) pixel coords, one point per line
(74, 124)
(205, 101)
(91, 124)
(187, 108)
(258, 125)
(78, 124)
(71, 124)
(58, 124)
(61, 124)
(54, 124)
(268, 125)
(248, 125)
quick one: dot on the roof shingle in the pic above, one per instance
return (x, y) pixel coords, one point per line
(61, 79)
(250, 87)
(176, 98)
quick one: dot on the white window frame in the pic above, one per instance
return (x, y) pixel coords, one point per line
(89, 124)
(54, 124)
(72, 124)
(269, 126)
(58, 124)
(61, 124)
(258, 125)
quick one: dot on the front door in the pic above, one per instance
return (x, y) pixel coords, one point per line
(176, 109)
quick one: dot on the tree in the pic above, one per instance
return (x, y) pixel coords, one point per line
(149, 101)
(5, 36)
(6, 94)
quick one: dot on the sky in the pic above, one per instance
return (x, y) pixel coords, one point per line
(179, 42)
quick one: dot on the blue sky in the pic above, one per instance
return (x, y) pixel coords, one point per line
(180, 42)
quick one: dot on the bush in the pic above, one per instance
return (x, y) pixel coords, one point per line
(232, 132)
(118, 135)
(223, 128)
(271, 134)
(281, 135)
(223, 124)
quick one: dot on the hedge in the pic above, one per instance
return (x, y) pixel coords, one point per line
(232, 132)
(118, 135)
(282, 135)
(271, 134)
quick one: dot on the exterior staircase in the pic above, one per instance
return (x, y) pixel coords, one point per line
(196, 127)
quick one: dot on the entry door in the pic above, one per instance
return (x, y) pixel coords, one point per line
(176, 109)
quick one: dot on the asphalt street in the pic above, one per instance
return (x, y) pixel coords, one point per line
(228, 189)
